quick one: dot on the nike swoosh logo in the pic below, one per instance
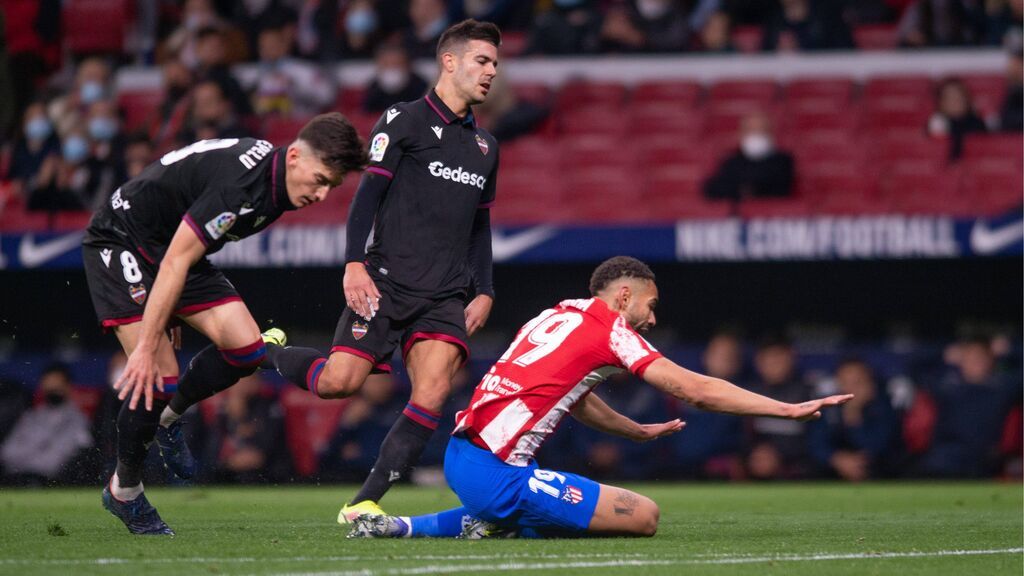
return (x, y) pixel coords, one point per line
(33, 255)
(985, 240)
(391, 115)
(243, 211)
(508, 247)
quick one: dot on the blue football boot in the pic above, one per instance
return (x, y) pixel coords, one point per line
(177, 456)
(138, 515)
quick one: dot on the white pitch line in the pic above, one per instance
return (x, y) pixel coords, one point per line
(247, 559)
(522, 566)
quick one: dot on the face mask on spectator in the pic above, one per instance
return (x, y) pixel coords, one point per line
(361, 22)
(38, 128)
(91, 92)
(75, 149)
(393, 79)
(102, 128)
(54, 398)
(756, 146)
(652, 9)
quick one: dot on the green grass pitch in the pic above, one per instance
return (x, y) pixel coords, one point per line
(833, 529)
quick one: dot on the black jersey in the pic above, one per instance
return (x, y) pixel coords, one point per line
(442, 169)
(225, 190)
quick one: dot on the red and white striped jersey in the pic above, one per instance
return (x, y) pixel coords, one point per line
(556, 359)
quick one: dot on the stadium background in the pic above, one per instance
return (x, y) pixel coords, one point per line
(878, 253)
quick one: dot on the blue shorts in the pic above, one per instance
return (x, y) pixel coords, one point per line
(517, 496)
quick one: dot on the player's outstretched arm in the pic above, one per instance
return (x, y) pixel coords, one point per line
(717, 395)
(141, 373)
(595, 413)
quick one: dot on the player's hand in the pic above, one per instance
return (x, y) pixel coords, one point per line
(654, 431)
(811, 410)
(477, 312)
(139, 376)
(361, 293)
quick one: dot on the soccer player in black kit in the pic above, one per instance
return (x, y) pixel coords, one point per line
(427, 193)
(145, 261)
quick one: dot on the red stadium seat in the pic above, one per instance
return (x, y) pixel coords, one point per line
(831, 89)
(96, 26)
(798, 121)
(987, 93)
(657, 119)
(752, 92)
(774, 207)
(282, 131)
(138, 107)
(580, 93)
(683, 94)
(350, 99)
(595, 119)
(1007, 146)
(584, 153)
(888, 148)
(876, 37)
(919, 87)
(530, 152)
(309, 424)
(536, 93)
(747, 38)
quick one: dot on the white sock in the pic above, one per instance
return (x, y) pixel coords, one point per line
(408, 522)
(168, 417)
(124, 494)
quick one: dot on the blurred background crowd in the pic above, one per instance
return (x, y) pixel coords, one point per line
(91, 91)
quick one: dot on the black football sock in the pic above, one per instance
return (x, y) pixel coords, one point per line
(399, 452)
(300, 366)
(135, 430)
(213, 370)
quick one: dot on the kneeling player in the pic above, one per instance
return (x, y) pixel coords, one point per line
(549, 370)
(144, 254)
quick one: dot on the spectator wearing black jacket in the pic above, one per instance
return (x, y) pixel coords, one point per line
(757, 169)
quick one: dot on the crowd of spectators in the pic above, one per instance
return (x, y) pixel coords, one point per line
(958, 416)
(71, 147)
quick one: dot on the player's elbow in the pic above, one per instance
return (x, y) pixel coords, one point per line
(649, 527)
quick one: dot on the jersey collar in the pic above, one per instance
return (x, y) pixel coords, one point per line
(278, 188)
(446, 114)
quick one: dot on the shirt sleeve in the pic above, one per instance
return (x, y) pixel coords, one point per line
(388, 140)
(214, 213)
(489, 194)
(632, 351)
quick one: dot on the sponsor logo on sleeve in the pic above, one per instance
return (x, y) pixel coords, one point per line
(221, 224)
(482, 144)
(379, 146)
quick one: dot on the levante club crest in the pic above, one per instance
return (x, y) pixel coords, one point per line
(138, 293)
(359, 330)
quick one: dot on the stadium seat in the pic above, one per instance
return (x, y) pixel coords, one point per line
(990, 146)
(987, 93)
(747, 39)
(96, 26)
(817, 89)
(655, 119)
(579, 93)
(138, 106)
(884, 86)
(774, 207)
(597, 119)
(683, 94)
(281, 131)
(531, 92)
(753, 92)
(350, 100)
(876, 37)
(587, 152)
(529, 152)
(309, 423)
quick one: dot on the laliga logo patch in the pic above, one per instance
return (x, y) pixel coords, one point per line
(359, 330)
(482, 144)
(378, 147)
(572, 495)
(138, 293)
(221, 224)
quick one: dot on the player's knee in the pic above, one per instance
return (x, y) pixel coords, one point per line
(430, 393)
(338, 381)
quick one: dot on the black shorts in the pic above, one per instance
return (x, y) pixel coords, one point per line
(120, 281)
(401, 320)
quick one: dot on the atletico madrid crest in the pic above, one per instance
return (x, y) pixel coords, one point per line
(572, 495)
(359, 330)
(482, 144)
(138, 293)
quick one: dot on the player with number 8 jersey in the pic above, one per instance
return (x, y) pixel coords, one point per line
(145, 261)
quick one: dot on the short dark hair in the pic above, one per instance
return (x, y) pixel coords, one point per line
(335, 141)
(618, 267)
(468, 30)
(58, 368)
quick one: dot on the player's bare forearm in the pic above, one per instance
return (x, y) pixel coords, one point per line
(714, 394)
(185, 250)
(595, 413)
